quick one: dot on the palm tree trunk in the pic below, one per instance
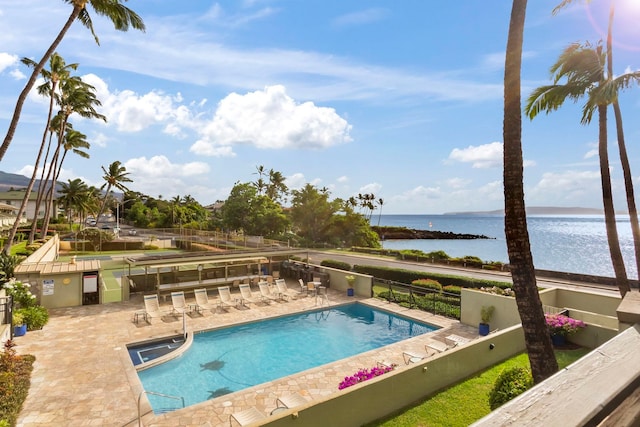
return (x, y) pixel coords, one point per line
(538, 341)
(32, 80)
(607, 200)
(27, 193)
(624, 158)
(41, 191)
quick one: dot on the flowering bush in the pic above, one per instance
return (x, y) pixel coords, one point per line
(365, 374)
(560, 324)
(21, 293)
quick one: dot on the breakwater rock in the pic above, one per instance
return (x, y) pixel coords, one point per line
(388, 233)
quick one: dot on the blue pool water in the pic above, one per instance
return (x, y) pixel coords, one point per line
(231, 359)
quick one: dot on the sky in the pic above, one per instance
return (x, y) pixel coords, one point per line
(400, 99)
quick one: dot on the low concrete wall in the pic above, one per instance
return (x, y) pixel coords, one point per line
(47, 253)
(394, 391)
(505, 313)
(363, 286)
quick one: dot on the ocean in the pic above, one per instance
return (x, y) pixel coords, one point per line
(574, 244)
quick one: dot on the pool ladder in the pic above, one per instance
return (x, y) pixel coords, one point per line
(143, 392)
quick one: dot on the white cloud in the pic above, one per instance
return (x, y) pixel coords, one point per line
(419, 192)
(131, 112)
(590, 154)
(296, 181)
(360, 17)
(343, 179)
(158, 166)
(458, 183)
(270, 119)
(7, 60)
(568, 187)
(373, 187)
(481, 157)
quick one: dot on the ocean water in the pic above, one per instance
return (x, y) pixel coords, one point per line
(574, 244)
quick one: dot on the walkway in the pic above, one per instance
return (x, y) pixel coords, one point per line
(83, 375)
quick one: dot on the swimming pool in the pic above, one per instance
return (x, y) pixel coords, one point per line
(226, 360)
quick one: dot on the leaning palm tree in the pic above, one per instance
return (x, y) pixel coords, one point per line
(541, 356)
(622, 149)
(58, 71)
(115, 176)
(121, 17)
(582, 67)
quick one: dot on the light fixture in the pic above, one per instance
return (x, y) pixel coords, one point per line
(492, 346)
(200, 267)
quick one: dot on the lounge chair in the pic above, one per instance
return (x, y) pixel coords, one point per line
(291, 401)
(439, 346)
(179, 304)
(226, 300)
(284, 292)
(303, 287)
(245, 292)
(152, 307)
(411, 357)
(454, 340)
(202, 300)
(246, 417)
(266, 292)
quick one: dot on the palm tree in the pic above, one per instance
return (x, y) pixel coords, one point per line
(541, 356)
(380, 203)
(58, 71)
(76, 97)
(73, 196)
(115, 176)
(121, 17)
(276, 188)
(583, 68)
(622, 149)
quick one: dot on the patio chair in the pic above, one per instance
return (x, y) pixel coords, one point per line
(266, 292)
(226, 300)
(246, 417)
(411, 357)
(303, 287)
(245, 292)
(454, 340)
(281, 286)
(178, 302)
(202, 300)
(312, 289)
(439, 346)
(291, 401)
(152, 307)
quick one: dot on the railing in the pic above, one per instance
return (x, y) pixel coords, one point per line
(5, 310)
(143, 392)
(430, 300)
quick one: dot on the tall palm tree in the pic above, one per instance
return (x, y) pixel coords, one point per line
(122, 18)
(114, 176)
(380, 203)
(73, 197)
(541, 356)
(58, 71)
(75, 97)
(622, 149)
(583, 69)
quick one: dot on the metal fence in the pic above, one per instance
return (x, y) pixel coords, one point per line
(430, 300)
(5, 310)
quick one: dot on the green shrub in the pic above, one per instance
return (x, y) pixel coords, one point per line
(35, 317)
(336, 264)
(15, 379)
(428, 284)
(508, 385)
(451, 289)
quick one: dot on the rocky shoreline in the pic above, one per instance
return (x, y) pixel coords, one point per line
(403, 233)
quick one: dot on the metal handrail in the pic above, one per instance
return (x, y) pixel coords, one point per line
(155, 394)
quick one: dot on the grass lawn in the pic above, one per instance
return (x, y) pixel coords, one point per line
(468, 401)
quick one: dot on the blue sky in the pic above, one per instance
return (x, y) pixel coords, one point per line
(402, 99)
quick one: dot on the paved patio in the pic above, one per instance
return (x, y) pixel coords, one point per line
(83, 375)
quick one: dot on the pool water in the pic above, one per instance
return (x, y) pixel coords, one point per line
(231, 359)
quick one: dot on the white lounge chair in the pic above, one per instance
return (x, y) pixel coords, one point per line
(283, 290)
(245, 292)
(246, 417)
(226, 300)
(152, 307)
(202, 300)
(266, 292)
(411, 357)
(179, 304)
(291, 401)
(303, 287)
(438, 346)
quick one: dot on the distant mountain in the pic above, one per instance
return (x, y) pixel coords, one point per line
(540, 210)
(15, 181)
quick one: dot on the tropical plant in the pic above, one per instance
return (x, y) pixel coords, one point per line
(617, 83)
(21, 293)
(364, 375)
(121, 17)
(582, 69)
(114, 176)
(486, 313)
(35, 317)
(58, 71)
(537, 339)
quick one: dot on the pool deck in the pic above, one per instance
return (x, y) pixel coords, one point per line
(83, 375)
